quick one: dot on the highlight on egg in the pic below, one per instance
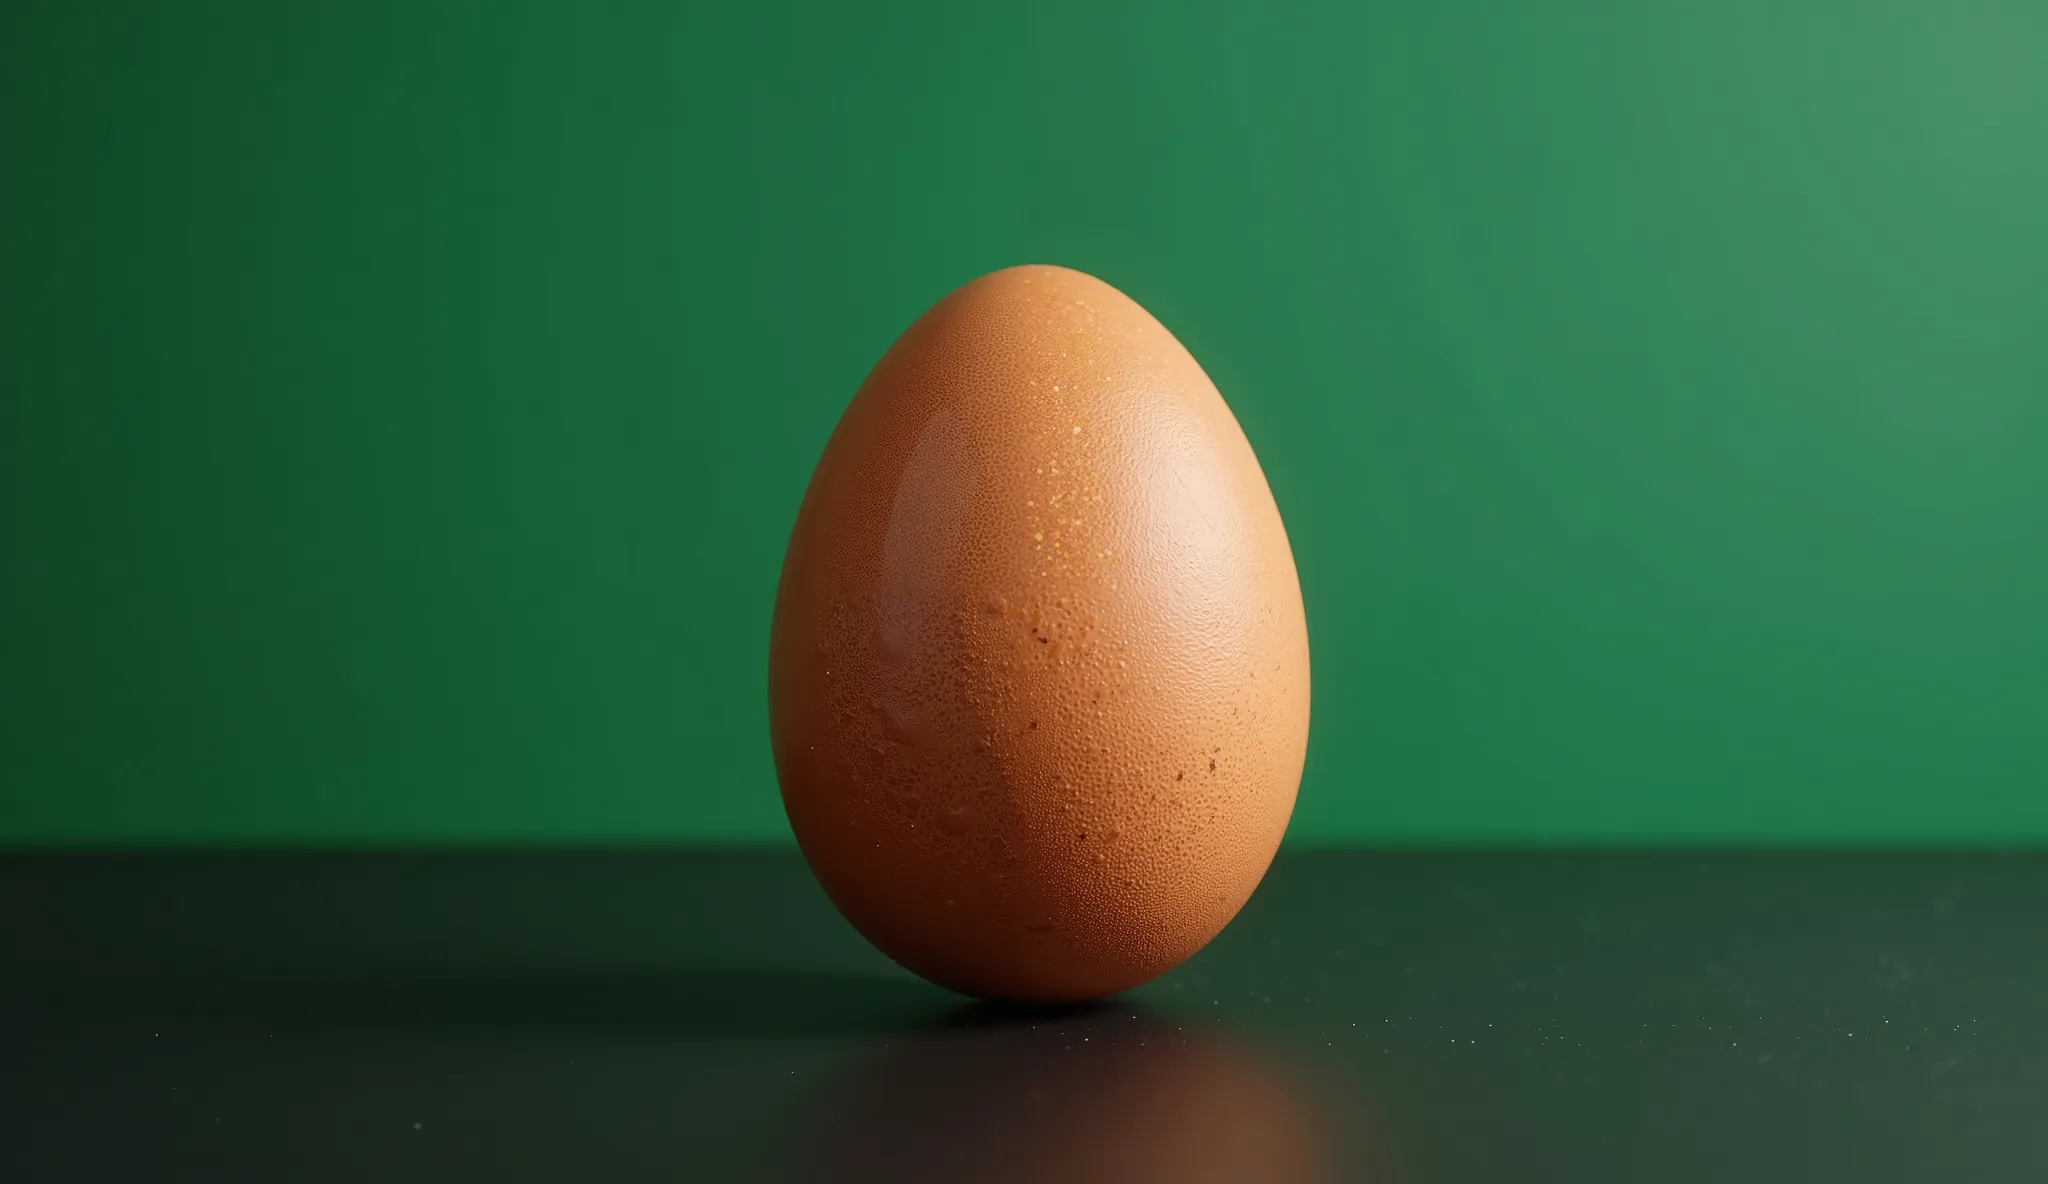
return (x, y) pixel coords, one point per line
(1038, 673)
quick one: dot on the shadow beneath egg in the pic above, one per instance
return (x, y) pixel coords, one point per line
(1107, 1091)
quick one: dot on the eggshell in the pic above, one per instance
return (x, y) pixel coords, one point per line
(1038, 676)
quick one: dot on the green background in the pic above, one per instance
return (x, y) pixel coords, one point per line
(403, 406)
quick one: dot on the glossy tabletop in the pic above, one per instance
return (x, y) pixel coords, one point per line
(703, 1015)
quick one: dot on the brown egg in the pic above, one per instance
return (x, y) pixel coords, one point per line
(1038, 677)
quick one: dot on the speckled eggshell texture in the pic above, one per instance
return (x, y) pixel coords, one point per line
(1038, 678)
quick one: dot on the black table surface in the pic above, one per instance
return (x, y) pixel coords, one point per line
(706, 1015)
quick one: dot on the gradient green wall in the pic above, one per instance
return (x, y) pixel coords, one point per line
(403, 405)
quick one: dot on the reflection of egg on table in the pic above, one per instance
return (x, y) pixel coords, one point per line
(1104, 1097)
(1039, 673)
